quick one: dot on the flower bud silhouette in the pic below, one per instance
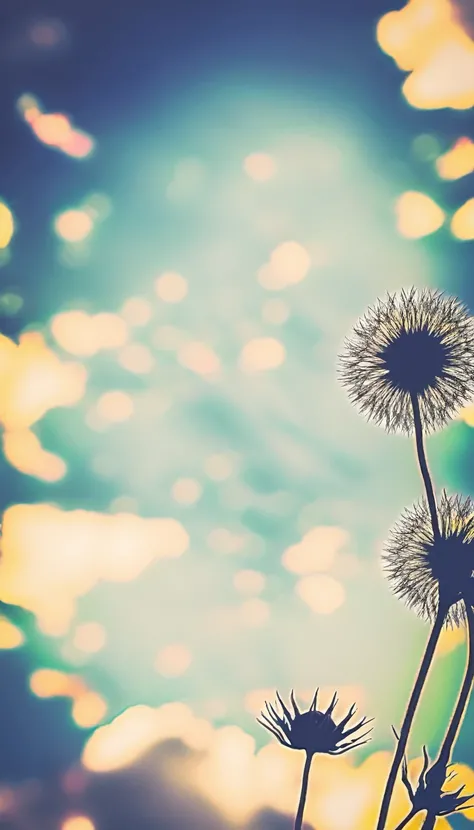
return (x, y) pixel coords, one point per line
(313, 731)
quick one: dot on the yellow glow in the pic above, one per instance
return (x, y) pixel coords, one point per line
(249, 582)
(73, 225)
(450, 639)
(262, 354)
(171, 287)
(275, 312)
(458, 161)
(240, 782)
(84, 335)
(137, 311)
(289, 264)
(467, 415)
(417, 215)
(316, 551)
(260, 167)
(425, 38)
(186, 491)
(321, 592)
(88, 709)
(90, 637)
(136, 358)
(23, 450)
(173, 660)
(7, 225)
(51, 556)
(10, 635)
(115, 406)
(199, 358)
(78, 823)
(255, 612)
(462, 223)
(219, 467)
(33, 380)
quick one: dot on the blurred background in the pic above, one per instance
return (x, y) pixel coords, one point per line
(197, 201)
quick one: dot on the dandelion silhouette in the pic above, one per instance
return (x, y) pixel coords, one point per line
(427, 572)
(409, 366)
(411, 358)
(314, 732)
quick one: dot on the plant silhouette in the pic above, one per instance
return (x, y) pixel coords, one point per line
(409, 367)
(313, 732)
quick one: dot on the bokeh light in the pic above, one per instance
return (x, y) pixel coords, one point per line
(260, 167)
(7, 225)
(78, 823)
(458, 161)
(73, 225)
(462, 223)
(173, 660)
(171, 287)
(418, 215)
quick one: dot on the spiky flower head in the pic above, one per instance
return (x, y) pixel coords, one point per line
(429, 794)
(423, 570)
(313, 731)
(415, 345)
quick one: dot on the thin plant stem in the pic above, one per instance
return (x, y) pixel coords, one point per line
(463, 699)
(455, 724)
(410, 714)
(423, 464)
(406, 820)
(304, 791)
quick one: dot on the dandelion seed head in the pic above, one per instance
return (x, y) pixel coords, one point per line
(416, 343)
(422, 570)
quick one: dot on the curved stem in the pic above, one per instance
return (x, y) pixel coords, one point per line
(429, 821)
(423, 464)
(410, 714)
(463, 699)
(304, 791)
(455, 724)
(406, 820)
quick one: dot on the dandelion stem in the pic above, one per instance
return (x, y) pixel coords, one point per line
(406, 820)
(444, 756)
(423, 463)
(304, 791)
(463, 699)
(410, 714)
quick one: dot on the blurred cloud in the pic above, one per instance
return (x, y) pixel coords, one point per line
(223, 766)
(34, 380)
(51, 557)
